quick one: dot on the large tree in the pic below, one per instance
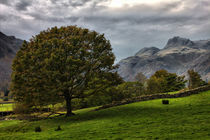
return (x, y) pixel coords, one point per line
(62, 63)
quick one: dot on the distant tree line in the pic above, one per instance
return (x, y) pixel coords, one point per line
(160, 82)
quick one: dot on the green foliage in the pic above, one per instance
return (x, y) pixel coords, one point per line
(101, 90)
(21, 108)
(62, 64)
(115, 93)
(163, 81)
(195, 80)
(154, 85)
(119, 92)
(129, 90)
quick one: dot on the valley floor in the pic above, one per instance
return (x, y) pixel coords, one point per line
(183, 118)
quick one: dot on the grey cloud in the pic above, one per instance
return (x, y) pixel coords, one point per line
(141, 14)
(42, 17)
(128, 28)
(3, 18)
(78, 3)
(5, 2)
(23, 4)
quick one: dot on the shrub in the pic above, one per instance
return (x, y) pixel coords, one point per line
(165, 102)
(38, 129)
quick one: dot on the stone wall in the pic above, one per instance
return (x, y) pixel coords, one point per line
(156, 96)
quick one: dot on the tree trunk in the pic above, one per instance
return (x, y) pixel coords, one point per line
(68, 105)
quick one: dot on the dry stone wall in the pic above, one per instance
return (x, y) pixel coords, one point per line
(156, 96)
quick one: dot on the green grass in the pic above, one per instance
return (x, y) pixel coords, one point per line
(183, 118)
(6, 107)
(173, 92)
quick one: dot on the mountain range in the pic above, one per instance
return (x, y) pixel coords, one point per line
(9, 45)
(178, 56)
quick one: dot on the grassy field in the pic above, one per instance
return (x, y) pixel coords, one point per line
(6, 107)
(183, 118)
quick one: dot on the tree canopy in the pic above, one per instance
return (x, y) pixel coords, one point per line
(163, 81)
(195, 79)
(140, 77)
(62, 64)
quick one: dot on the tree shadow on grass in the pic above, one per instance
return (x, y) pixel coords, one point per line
(127, 111)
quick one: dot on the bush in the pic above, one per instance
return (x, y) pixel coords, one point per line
(38, 129)
(165, 102)
(6, 99)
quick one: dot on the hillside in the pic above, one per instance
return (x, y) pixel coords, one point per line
(183, 118)
(9, 45)
(178, 56)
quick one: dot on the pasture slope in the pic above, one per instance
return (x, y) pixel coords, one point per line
(183, 118)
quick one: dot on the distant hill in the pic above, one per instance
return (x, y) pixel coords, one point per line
(178, 56)
(9, 45)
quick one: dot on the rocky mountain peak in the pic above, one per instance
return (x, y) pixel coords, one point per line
(147, 51)
(178, 56)
(178, 41)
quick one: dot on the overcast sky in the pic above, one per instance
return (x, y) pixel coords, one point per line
(129, 24)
